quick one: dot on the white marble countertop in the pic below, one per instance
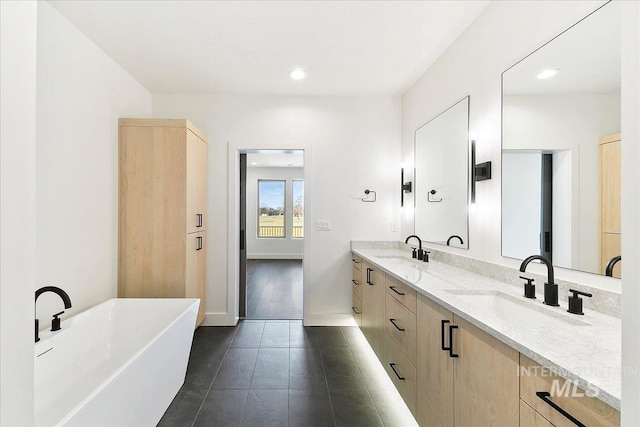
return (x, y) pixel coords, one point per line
(584, 349)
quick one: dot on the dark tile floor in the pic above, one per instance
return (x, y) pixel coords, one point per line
(279, 373)
(274, 289)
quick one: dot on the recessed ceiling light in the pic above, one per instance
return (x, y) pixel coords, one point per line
(545, 74)
(297, 74)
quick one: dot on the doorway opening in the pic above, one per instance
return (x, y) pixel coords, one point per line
(271, 234)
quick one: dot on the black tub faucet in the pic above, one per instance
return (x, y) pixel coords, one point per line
(612, 263)
(550, 287)
(65, 299)
(455, 236)
(420, 253)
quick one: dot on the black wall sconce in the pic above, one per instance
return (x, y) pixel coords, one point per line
(479, 172)
(405, 187)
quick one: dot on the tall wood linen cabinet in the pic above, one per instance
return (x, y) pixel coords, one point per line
(162, 200)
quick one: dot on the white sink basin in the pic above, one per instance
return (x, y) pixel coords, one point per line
(515, 310)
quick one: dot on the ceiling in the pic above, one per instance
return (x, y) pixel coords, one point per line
(275, 158)
(249, 47)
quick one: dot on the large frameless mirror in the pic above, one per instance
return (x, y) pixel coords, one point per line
(442, 177)
(561, 148)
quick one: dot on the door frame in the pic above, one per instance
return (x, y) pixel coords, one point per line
(233, 224)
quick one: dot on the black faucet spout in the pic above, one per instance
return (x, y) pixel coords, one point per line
(56, 290)
(612, 263)
(414, 236)
(455, 236)
(420, 255)
(62, 294)
(550, 287)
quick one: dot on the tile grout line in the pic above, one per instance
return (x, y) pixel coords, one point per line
(326, 382)
(365, 382)
(213, 379)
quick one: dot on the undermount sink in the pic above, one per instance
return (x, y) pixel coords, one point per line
(512, 309)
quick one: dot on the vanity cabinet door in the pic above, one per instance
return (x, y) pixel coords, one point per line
(486, 379)
(434, 366)
(196, 269)
(373, 306)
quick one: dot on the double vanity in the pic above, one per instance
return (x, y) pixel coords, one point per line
(468, 350)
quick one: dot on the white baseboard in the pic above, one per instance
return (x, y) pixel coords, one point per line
(332, 319)
(219, 319)
(273, 256)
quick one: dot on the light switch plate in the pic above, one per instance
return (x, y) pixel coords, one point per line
(323, 225)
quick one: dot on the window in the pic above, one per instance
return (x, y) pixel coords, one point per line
(271, 208)
(298, 208)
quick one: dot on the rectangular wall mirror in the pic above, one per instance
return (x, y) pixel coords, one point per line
(561, 148)
(442, 177)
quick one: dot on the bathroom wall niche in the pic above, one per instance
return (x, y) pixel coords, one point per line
(442, 177)
(559, 106)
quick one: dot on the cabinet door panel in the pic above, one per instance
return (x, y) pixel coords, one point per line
(202, 183)
(196, 270)
(486, 379)
(196, 183)
(435, 367)
(373, 307)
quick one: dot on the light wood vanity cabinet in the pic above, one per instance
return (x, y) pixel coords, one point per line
(452, 374)
(536, 382)
(356, 284)
(465, 376)
(162, 210)
(373, 307)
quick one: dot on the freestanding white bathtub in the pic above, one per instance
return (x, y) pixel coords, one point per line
(119, 363)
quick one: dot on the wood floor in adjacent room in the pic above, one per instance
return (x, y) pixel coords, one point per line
(274, 289)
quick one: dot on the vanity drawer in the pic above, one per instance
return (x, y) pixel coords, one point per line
(400, 325)
(356, 284)
(530, 418)
(401, 292)
(401, 371)
(356, 261)
(589, 411)
(356, 309)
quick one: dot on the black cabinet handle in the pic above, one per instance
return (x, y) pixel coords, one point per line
(393, 288)
(393, 366)
(355, 282)
(354, 310)
(544, 395)
(199, 220)
(443, 347)
(355, 261)
(451, 328)
(393, 322)
(198, 243)
(369, 270)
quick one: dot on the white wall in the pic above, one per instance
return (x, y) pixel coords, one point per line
(574, 122)
(503, 33)
(81, 93)
(630, 208)
(353, 143)
(276, 248)
(18, 29)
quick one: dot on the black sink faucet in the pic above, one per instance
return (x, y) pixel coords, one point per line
(420, 254)
(65, 299)
(455, 236)
(612, 263)
(550, 287)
